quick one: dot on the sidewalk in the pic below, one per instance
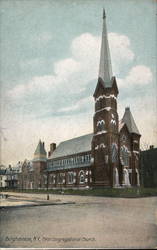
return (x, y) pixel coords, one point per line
(16, 200)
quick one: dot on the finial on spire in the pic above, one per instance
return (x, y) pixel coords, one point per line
(127, 108)
(104, 14)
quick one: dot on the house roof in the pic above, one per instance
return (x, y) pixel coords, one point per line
(129, 121)
(73, 146)
(121, 125)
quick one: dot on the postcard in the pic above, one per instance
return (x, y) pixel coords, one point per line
(78, 126)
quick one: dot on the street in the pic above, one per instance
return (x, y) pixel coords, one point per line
(90, 222)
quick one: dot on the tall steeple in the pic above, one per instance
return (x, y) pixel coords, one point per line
(105, 122)
(105, 68)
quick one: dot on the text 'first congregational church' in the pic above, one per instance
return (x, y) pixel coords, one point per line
(108, 157)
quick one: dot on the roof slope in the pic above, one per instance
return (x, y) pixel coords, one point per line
(73, 146)
(129, 121)
(40, 150)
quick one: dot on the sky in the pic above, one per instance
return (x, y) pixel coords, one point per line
(49, 61)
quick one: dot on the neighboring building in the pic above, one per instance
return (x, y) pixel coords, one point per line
(9, 177)
(108, 157)
(12, 177)
(3, 178)
(31, 176)
(149, 167)
(26, 175)
(2, 166)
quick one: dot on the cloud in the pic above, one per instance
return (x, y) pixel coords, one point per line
(139, 75)
(58, 92)
(74, 73)
(84, 103)
(24, 133)
(66, 68)
(64, 97)
(121, 51)
(36, 85)
(86, 47)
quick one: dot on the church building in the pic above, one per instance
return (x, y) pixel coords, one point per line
(107, 157)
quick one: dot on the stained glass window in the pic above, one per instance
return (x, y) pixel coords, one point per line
(114, 153)
(124, 153)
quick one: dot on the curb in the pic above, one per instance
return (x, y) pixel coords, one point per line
(35, 205)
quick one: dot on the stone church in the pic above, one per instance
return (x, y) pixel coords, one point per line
(108, 157)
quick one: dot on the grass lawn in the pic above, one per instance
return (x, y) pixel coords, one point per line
(106, 192)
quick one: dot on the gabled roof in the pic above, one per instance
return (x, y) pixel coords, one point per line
(129, 121)
(73, 146)
(40, 150)
(121, 125)
(40, 153)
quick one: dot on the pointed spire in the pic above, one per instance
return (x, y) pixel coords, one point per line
(129, 121)
(40, 153)
(105, 69)
(40, 149)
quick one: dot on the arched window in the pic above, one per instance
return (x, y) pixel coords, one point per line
(114, 150)
(60, 178)
(70, 177)
(81, 177)
(124, 155)
(101, 125)
(53, 179)
(123, 138)
(45, 179)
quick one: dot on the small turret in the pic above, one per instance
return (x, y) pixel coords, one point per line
(40, 153)
(129, 121)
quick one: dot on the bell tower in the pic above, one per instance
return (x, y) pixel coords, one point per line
(39, 164)
(105, 120)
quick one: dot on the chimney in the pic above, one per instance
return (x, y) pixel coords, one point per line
(52, 148)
